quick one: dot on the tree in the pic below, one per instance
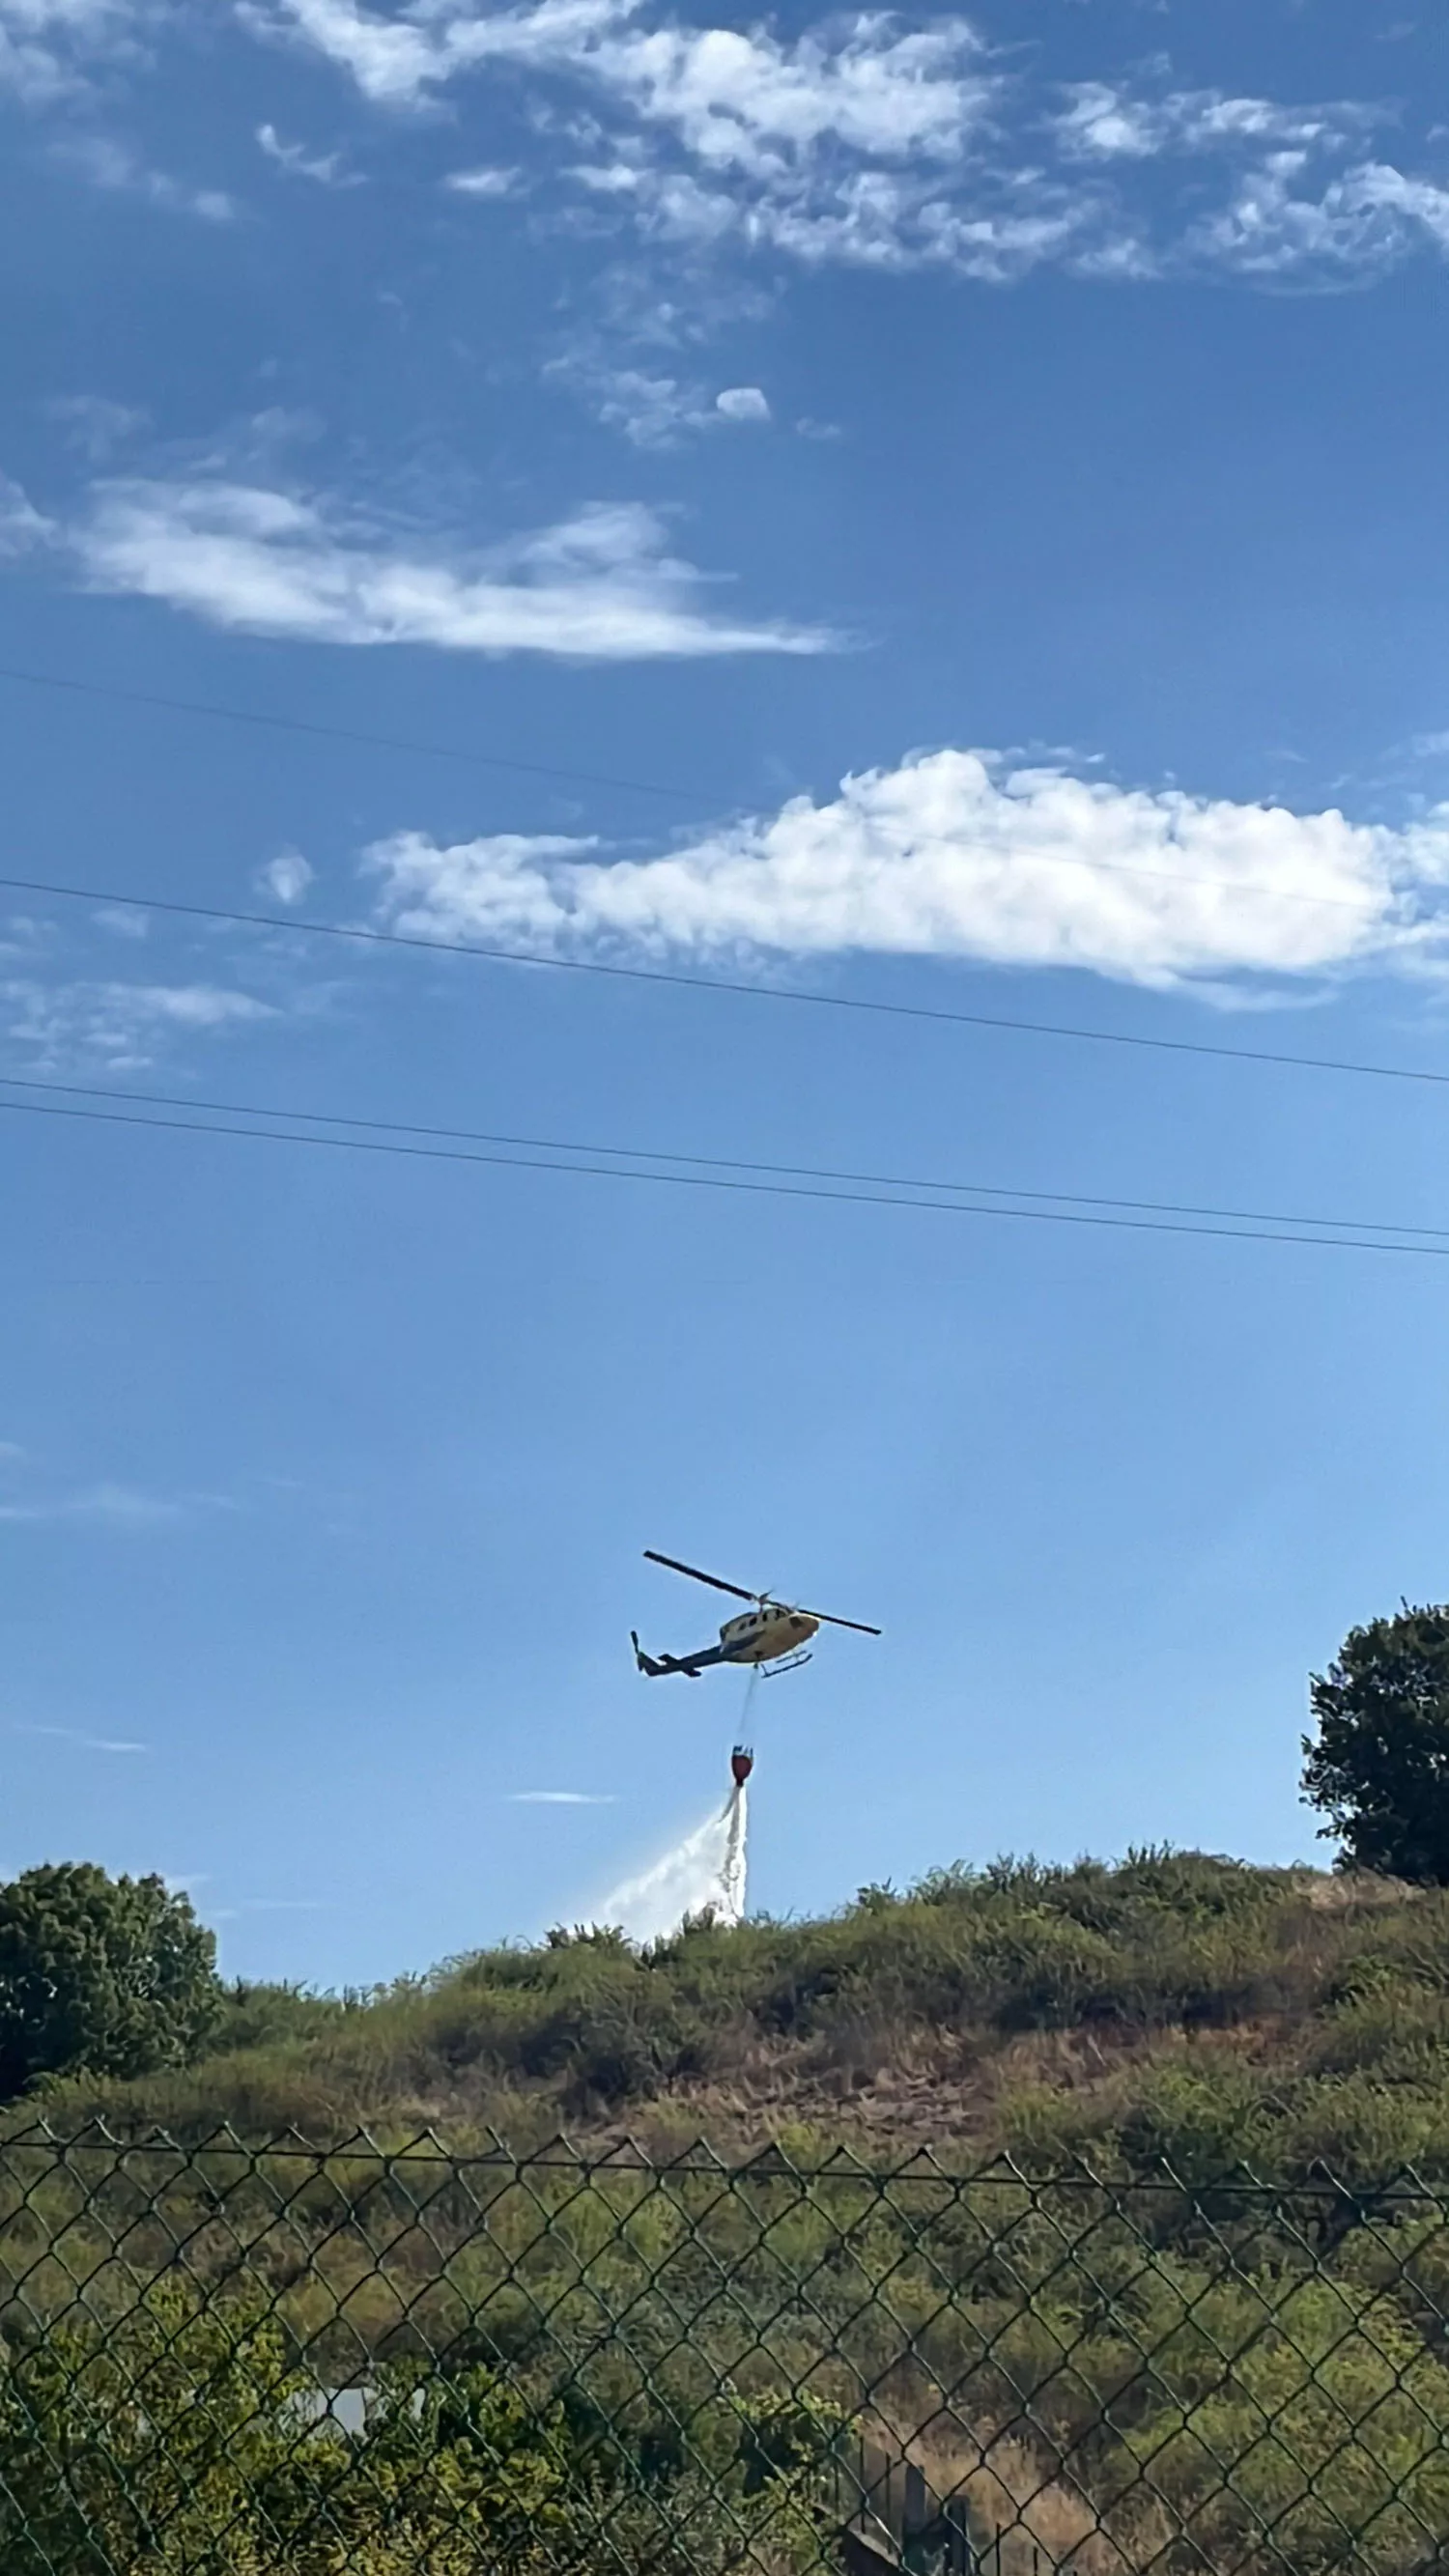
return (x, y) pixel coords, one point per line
(1379, 1768)
(111, 1975)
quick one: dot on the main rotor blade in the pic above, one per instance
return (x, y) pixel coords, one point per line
(830, 1621)
(676, 1568)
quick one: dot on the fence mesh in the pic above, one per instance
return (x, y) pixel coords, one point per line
(222, 2359)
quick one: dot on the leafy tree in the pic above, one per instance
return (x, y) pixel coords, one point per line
(111, 1975)
(1379, 1767)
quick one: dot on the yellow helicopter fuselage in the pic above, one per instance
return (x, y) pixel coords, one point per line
(762, 1636)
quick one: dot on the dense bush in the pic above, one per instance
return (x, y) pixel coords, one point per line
(184, 2439)
(571, 2366)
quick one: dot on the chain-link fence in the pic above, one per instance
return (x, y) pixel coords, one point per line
(232, 2360)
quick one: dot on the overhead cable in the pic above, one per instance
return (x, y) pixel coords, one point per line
(893, 1181)
(714, 797)
(371, 936)
(698, 1180)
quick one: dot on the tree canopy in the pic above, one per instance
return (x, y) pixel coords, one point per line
(113, 1976)
(1378, 1768)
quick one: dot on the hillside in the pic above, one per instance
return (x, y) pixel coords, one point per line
(1175, 2005)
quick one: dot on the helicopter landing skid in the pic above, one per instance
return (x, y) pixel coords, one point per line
(791, 1664)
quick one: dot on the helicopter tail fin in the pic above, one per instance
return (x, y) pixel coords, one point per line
(646, 1663)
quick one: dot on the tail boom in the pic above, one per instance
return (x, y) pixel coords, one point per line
(655, 1665)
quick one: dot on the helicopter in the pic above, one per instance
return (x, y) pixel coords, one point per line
(773, 1635)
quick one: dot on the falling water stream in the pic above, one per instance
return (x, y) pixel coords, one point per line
(703, 1874)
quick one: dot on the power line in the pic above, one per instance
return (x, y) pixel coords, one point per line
(712, 796)
(716, 1181)
(894, 1181)
(346, 733)
(673, 976)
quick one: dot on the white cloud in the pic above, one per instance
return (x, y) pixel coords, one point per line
(21, 525)
(879, 142)
(954, 854)
(869, 140)
(483, 182)
(327, 168)
(1359, 223)
(742, 402)
(448, 889)
(94, 424)
(115, 1024)
(396, 61)
(286, 877)
(557, 1798)
(652, 411)
(598, 587)
(749, 101)
(731, 97)
(84, 1743)
(1108, 123)
(104, 163)
(44, 42)
(648, 408)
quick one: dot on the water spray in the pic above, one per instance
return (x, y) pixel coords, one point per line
(705, 1874)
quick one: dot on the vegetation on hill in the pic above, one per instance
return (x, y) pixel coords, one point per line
(1174, 2005)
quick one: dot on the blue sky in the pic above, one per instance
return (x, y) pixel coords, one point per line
(976, 486)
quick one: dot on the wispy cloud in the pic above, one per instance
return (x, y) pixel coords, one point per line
(94, 424)
(600, 586)
(557, 1798)
(45, 43)
(286, 877)
(733, 96)
(958, 854)
(869, 139)
(1359, 223)
(104, 163)
(655, 411)
(743, 403)
(326, 169)
(63, 1023)
(119, 1505)
(83, 1743)
(882, 142)
(488, 182)
(1107, 121)
(113, 1506)
(22, 526)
